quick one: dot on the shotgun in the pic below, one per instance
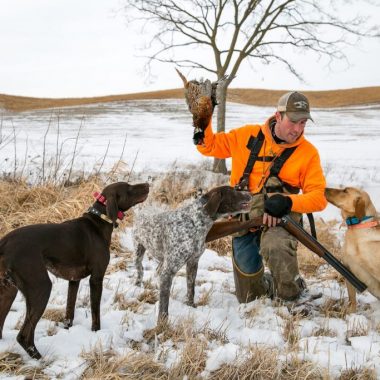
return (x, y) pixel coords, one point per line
(225, 228)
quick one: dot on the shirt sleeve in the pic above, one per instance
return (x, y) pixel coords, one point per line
(218, 145)
(313, 186)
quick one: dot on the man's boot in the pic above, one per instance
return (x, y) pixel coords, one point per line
(250, 286)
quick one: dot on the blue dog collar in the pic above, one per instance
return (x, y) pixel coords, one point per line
(352, 220)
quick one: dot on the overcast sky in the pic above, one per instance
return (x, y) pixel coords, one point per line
(70, 48)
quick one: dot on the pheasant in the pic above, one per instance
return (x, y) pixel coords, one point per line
(202, 97)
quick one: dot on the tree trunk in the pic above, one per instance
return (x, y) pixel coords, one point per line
(219, 165)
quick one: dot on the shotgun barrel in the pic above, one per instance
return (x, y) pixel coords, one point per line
(309, 242)
(225, 228)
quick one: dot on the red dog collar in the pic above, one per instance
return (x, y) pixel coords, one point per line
(371, 224)
(102, 199)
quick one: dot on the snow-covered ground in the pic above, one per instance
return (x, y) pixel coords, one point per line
(158, 133)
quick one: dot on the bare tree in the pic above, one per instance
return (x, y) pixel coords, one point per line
(216, 36)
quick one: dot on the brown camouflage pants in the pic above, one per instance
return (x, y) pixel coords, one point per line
(279, 251)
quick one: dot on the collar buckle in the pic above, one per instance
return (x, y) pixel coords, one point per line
(102, 199)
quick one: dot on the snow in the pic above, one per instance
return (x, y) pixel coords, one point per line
(158, 138)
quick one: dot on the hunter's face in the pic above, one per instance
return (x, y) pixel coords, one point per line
(288, 130)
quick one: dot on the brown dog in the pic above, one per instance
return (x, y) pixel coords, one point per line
(362, 239)
(71, 250)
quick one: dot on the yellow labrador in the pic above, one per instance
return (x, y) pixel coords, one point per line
(362, 239)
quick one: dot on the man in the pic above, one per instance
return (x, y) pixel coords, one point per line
(274, 161)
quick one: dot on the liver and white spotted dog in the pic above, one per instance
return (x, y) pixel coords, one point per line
(178, 236)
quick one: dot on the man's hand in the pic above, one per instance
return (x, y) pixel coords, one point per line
(270, 221)
(275, 207)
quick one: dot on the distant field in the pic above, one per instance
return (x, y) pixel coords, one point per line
(319, 99)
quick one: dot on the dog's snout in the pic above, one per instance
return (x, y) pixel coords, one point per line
(246, 196)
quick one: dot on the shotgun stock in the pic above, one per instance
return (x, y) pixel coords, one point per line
(225, 228)
(228, 227)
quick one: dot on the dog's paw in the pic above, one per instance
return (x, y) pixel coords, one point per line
(67, 323)
(33, 352)
(190, 303)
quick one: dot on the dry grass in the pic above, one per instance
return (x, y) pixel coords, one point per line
(120, 265)
(172, 189)
(204, 297)
(308, 261)
(126, 304)
(300, 369)
(148, 296)
(223, 246)
(54, 315)
(264, 364)
(192, 360)
(290, 331)
(358, 374)
(22, 204)
(178, 185)
(324, 331)
(185, 330)
(357, 329)
(109, 366)
(218, 334)
(13, 364)
(166, 330)
(259, 97)
(334, 308)
(142, 366)
(10, 362)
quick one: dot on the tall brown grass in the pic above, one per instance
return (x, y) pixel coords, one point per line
(24, 204)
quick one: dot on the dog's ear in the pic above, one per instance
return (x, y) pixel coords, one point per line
(359, 207)
(112, 209)
(212, 205)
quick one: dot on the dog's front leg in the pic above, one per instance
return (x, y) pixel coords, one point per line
(70, 305)
(191, 274)
(96, 287)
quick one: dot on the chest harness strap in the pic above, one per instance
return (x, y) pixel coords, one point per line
(254, 145)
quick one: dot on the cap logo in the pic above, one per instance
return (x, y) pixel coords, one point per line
(300, 104)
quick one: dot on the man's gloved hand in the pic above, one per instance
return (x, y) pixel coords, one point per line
(278, 205)
(198, 136)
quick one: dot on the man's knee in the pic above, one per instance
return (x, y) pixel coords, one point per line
(279, 250)
(246, 253)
